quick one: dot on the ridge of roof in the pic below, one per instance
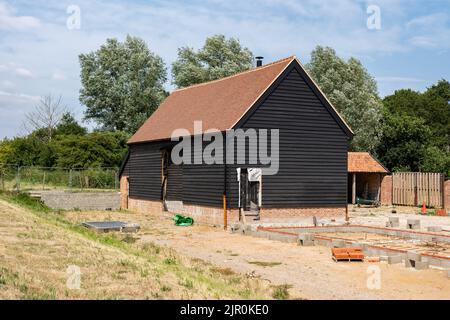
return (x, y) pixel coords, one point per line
(324, 95)
(293, 57)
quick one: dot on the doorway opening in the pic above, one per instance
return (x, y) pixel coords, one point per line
(250, 195)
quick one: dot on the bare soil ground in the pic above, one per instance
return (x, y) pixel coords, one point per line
(379, 216)
(309, 272)
(37, 248)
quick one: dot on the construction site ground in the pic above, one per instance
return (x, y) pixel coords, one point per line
(308, 272)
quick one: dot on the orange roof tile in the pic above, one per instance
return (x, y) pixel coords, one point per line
(364, 162)
(219, 104)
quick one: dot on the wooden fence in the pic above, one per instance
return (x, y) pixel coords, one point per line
(414, 188)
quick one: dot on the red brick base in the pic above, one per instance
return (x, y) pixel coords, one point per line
(447, 196)
(144, 206)
(300, 215)
(214, 215)
(386, 191)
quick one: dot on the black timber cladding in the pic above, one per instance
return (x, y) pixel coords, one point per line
(313, 148)
(313, 154)
(145, 170)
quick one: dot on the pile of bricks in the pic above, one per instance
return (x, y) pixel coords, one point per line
(347, 254)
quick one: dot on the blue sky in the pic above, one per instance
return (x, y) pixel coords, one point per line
(39, 53)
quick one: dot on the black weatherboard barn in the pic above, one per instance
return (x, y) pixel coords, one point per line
(313, 142)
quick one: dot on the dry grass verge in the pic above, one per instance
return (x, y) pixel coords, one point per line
(38, 245)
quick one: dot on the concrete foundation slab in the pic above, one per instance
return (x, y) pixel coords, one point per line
(394, 259)
(336, 243)
(393, 222)
(434, 228)
(421, 265)
(411, 255)
(413, 224)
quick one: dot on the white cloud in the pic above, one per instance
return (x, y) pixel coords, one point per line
(7, 84)
(14, 69)
(23, 72)
(272, 28)
(429, 21)
(58, 75)
(399, 79)
(10, 21)
(19, 96)
(430, 31)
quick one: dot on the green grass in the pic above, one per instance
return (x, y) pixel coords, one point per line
(163, 260)
(24, 200)
(11, 278)
(281, 292)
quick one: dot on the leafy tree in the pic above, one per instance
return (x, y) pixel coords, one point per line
(122, 84)
(428, 132)
(219, 57)
(98, 149)
(436, 160)
(69, 126)
(436, 113)
(353, 91)
(30, 151)
(432, 106)
(404, 142)
(5, 151)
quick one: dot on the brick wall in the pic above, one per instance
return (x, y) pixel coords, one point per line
(214, 215)
(124, 192)
(300, 215)
(447, 195)
(144, 206)
(386, 191)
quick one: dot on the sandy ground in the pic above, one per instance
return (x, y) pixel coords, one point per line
(310, 271)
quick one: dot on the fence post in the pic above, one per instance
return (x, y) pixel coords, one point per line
(70, 180)
(116, 178)
(18, 179)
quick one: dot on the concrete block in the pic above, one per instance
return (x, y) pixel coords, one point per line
(306, 236)
(411, 255)
(413, 224)
(306, 243)
(434, 228)
(393, 222)
(421, 265)
(235, 228)
(409, 263)
(336, 243)
(322, 242)
(394, 259)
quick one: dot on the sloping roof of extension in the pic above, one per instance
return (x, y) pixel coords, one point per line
(364, 162)
(219, 104)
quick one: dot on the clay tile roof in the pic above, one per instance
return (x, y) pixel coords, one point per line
(364, 162)
(219, 104)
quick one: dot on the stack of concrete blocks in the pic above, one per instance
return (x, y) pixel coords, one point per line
(434, 228)
(393, 222)
(414, 260)
(305, 239)
(394, 259)
(413, 224)
(337, 243)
